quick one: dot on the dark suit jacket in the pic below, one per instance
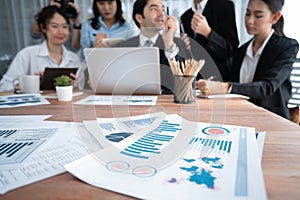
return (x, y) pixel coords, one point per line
(166, 74)
(271, 86)
(220, 15)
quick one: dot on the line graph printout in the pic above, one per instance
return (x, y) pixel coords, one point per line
(219, 162)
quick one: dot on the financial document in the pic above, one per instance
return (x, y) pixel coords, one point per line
(49, 160)
(219, 161)
(18, 100)
(118, 100)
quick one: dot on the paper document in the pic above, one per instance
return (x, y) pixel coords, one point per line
(118, 100)
(19, 100)
(18, 121)
(218, 161)
(17, 144)
(260, 137)
(220, 96)
(50, 159)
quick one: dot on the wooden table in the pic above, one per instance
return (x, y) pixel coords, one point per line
(280, 162)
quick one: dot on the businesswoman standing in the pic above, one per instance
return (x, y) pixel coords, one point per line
(261, 67)
(54, 24)
(108, 22)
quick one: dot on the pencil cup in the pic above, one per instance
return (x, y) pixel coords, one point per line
(184, 89)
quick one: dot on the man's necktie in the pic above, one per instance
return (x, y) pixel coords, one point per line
(148, 43)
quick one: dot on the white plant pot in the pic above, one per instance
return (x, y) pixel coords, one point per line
(64, 93)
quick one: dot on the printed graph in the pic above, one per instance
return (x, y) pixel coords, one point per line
(152, 142)
(198, 143)
(16, 145)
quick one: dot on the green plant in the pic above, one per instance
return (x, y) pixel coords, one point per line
(63, 80)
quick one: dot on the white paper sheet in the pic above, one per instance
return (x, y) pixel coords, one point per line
(49, 160)
(221, 162)
(260, 138)
(18, 121)
(19, 100)
(118, 100)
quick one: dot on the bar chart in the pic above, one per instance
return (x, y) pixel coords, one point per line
(18, 144)
(152, 142)
(217, 145)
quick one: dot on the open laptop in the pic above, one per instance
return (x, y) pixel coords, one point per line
(124, 70)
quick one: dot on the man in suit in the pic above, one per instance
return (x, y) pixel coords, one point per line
(150, 18)
(211, 23)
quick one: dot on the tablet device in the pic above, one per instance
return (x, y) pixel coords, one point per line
(51, 73)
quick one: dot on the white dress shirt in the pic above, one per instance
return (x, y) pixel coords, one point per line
(200, 6)
(250, 61)
(170, 53)
(36, 58)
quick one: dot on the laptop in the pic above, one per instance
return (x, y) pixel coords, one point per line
(124, 70)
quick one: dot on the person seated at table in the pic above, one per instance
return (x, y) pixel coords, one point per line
(212, 24)
(261, 67)
(107, 22)
(73, 42)
(149, 16)
(32, 60)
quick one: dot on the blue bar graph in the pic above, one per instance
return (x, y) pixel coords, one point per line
(152, 142)
(107, 126)
(197, 143)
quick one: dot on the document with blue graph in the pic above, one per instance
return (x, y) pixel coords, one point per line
(161, 156)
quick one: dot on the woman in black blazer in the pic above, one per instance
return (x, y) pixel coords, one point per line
(261, 67)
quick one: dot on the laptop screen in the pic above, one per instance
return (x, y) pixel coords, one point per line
(125, 70)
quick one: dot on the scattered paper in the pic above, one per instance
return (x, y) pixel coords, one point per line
(118, 100)
(220, 162)
(18, 100)
(221, 96)
(260, 137)
(49, 161)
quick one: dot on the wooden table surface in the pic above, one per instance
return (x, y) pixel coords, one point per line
(281, 155)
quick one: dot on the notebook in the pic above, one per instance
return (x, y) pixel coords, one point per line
(124, 70)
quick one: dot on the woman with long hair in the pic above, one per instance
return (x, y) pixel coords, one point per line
(261, 67)
(107, 22)
(33, 60)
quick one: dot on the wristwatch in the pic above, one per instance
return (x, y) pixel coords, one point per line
(77, 27)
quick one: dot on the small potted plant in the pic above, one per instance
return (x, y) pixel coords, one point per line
(64, 88)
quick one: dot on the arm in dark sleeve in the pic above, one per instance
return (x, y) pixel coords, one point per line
(224, 37)
(272, 77)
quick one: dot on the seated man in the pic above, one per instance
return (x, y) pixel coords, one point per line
(149, 16)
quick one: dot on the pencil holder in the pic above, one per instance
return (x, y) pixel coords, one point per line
(184, 89)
